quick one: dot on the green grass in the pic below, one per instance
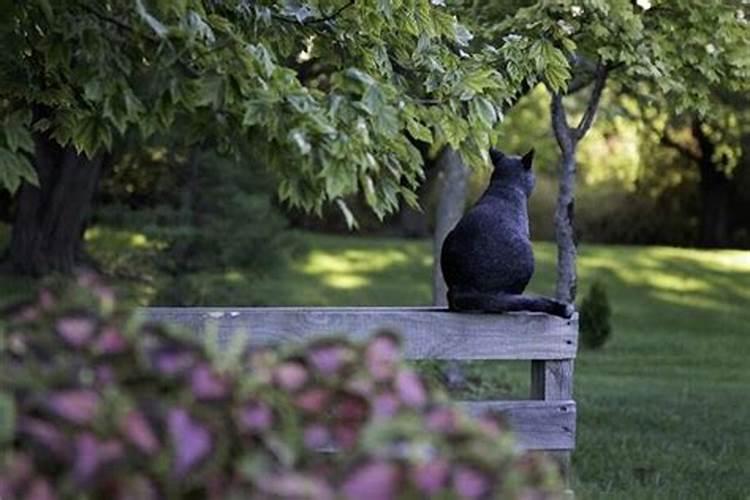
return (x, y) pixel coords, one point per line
(664, 408)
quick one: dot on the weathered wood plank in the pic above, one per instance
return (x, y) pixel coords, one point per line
(428, 332)
(552, 380)
(538, 425)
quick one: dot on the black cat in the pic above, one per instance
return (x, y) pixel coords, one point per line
(487, 259)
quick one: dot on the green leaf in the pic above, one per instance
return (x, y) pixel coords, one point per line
(90, 134)
(17, 135)
(14, 168)
(419, 131)
(351, 221)
(7, 418)
(153, 23)
(484, 110)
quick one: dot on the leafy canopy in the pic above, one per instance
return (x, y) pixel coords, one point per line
(331, 95)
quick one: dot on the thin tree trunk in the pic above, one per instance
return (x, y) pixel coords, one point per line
(49, 221)
(567, 139)
(453, 185)
(567, 253)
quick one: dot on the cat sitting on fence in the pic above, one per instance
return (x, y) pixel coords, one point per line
(487, 259)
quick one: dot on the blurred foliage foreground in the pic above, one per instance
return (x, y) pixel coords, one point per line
(95, 405)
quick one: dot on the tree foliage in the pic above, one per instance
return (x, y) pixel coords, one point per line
(330, 94)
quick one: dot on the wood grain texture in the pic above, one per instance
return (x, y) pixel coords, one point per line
(538, 425)
(552, 380)
(428, 333)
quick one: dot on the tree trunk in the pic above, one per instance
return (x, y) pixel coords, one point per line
(453, 185)
(715, 193)
(566, 286)
(49, 220)
(567, 280)
(567, 139)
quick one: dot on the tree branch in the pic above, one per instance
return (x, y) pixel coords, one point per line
(563, 134)
(600, 80)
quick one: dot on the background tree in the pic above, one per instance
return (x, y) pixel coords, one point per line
(329, 94)
(635, 44)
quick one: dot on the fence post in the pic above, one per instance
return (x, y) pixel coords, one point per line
(553, 381)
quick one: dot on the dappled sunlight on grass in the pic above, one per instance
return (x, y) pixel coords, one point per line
(346, 281)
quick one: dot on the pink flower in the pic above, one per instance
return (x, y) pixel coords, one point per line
(191, 440)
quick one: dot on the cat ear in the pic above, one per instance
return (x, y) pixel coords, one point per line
(528, 159)
(496, 156)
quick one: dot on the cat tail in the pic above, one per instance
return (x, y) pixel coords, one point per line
(462, 300)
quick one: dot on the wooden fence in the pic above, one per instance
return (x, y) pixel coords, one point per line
(545, 421)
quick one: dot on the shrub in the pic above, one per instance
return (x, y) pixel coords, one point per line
(595, 316)
(94, 405)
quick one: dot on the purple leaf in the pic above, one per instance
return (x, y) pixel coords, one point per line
(312, 400)
(316, 436)
(385, 405)
(345, 436)
(76, 405)
(104, 375)
(15, 472)
(410, 389)
(173, 361)
(110, 341)
(329, 359)
(91, 455)
(294, 485)
(443, 419)
(290, 376)
(431, 477)
(76, 331)
(351, 408)
(191, 440)
(45, 434)
(139, 432)
(206, 384)
(255, 417)
(373, 481)
(39, 489)
(470, 483)
(138, 488)
(382, 357)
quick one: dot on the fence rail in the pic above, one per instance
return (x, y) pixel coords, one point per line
(546, 421)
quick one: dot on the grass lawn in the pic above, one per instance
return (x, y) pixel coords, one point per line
(664, 408)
